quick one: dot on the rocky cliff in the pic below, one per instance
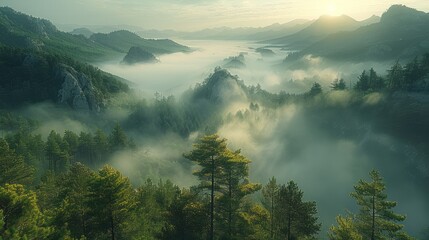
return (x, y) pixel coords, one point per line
(77, 91)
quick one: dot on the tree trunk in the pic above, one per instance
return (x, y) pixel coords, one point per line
(272, 217)
(373, 218)
(112, 227)
(212, 203)
(289, 220)
(230, 207)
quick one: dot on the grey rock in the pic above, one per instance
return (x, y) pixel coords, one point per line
(77, 90)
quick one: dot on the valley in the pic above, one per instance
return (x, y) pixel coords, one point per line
(114, 135)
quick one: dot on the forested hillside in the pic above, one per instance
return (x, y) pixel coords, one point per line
(22, 31)
(29, 77)
(85, 154)
(74, 195)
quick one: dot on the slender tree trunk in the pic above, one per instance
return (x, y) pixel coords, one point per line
(289, 220)
(373, 218)
(272, 217)
(112, 227)
(212, 202)
(230, 207)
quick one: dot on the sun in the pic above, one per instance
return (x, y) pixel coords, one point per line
(331, 9)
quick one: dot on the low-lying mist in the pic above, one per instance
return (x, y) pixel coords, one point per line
(325, 143)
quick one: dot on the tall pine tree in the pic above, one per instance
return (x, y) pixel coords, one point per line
(375, 219)
(208, 153)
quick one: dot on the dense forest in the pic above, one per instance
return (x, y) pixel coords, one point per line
(224, 160)
(75, 202)
(60, 186)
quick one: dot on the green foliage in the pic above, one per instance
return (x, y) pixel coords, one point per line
(208, 153)
(117, 139)
(270, 193)
(28, 76)
(315, 90)
(234, 185)
(59, 152)
(376, 220)
(21, 218)
(110, 200)
(224, 173)
(187, 218)
(152, 207)
(346, 229)
(289, 216)
(10, 122)
(338, 84)
(13, 168)
(73, 211)
(296, 218)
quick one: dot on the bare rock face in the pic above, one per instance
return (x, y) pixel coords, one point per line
(77, 90)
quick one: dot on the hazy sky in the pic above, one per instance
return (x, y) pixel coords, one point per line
(198, 14)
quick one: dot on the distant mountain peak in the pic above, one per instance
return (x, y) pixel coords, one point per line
(10, 17)
(404, 14)
(335, 18)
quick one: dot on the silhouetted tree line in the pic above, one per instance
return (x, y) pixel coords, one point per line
(411, 77)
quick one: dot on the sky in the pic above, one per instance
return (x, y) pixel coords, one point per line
(199, 14)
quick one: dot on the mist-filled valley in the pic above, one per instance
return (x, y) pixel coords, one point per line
(217, 136)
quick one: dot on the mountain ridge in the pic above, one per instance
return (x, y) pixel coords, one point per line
(23, 31)
(318, 30)
(402, 33)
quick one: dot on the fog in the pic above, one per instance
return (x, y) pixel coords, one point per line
(325, 151)
(179, 71)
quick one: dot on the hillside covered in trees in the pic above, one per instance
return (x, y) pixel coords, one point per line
(75, 195)
(85, 154)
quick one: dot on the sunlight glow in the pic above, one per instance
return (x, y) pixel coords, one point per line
(331, 9)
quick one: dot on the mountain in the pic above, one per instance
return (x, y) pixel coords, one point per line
(235, 62)
(402, 33)
(227, 33)
(316, 31)
(23, 31)
(82, 31)
(123, 40)
(138, 55)
(28, 76)
(370, 20)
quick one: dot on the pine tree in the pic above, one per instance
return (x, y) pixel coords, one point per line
(21, 217)
(296, 217)
(338, 84)
(56, 152)
(363, 82)
(118, 139)
(208, 153)
(234, 186)
(110, 199)
(375, 219)
(375, 82)
(346, 229)
(73, 210)
(270, 200)
(395, 77)
(316, 89)
(13, 168)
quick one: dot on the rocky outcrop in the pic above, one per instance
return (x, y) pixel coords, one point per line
(265, 52)
(235, 62)
(138, 55)
(77, 89)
